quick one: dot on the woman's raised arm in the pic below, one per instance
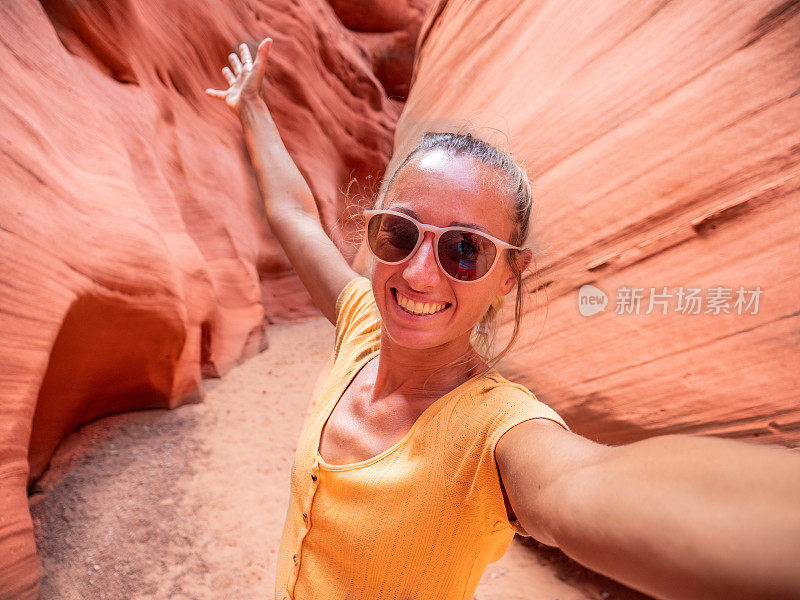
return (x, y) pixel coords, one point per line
(674, 516)
(288, 202)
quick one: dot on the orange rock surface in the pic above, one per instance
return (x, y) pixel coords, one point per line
(662, 139)
(663, 143)
(136, 258)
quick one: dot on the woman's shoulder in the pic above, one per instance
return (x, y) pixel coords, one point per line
(490, 406)
(357, 317)
(500, 403)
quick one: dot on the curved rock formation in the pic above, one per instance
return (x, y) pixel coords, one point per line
(135, 255)
(661, 137)
(663, 143)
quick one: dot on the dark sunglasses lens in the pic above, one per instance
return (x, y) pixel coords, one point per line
(391, 238)
(465, 255)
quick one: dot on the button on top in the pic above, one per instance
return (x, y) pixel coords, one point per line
(294, 558)
(313, 477)
(305, 516)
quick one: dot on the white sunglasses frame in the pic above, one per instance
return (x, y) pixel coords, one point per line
(437, 233)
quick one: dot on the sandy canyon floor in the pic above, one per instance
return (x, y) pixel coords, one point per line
(189, 504)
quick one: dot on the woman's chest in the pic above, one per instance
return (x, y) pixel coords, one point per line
(359, 429)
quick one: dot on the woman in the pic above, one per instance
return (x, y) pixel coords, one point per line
(418, 460)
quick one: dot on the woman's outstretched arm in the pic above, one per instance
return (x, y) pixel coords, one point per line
(288, 202)
(675, 516)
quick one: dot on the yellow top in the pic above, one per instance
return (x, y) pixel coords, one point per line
(422, 519)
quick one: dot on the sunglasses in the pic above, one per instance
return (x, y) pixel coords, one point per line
(463, 254)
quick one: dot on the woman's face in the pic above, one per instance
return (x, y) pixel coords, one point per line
(441, 190)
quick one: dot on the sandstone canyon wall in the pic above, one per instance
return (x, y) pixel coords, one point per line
(663, 142)
(136, 258)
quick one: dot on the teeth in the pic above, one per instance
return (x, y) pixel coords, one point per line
(419, 308)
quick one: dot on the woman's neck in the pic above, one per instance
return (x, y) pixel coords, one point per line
(421, 375)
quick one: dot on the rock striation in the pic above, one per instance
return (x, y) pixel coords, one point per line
(136, 259)
(662, 141)
(661, 138)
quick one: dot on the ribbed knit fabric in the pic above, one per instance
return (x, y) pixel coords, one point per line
(422, 519)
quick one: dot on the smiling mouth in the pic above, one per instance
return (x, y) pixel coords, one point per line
(419, 309)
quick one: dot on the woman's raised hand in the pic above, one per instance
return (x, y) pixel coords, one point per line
(288, 202)
(244, 76)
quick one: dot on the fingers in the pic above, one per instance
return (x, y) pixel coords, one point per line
(263, 48)
(245, 51)
(235, 63)
(245, 63)
(260, 66)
